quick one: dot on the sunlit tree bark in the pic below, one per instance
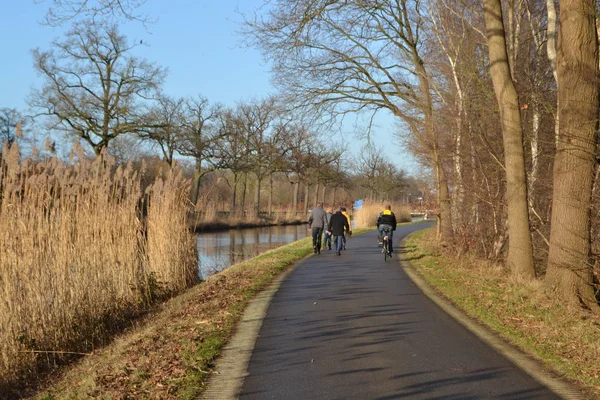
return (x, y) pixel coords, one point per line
(569, 274)
(520, 250)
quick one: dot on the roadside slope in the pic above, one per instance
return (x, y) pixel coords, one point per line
(552, 341)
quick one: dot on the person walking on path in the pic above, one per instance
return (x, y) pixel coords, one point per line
(327, 239)
(348, 232)
(337, 224)
(386, 221)
(317, 222)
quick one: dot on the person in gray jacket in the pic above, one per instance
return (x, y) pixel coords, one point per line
(317, 222)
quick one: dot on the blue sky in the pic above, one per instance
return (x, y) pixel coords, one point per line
(196, 40)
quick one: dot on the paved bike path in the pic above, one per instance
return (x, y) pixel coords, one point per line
(356, 327)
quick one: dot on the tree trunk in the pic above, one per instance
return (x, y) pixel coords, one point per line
(233, 194)
(444, 218)
(520, 250)
(196, 183)
(569, 272)
(551, 53)
(244, 191)
(535, 149)
(295, 199)
(257, 196)
(270, 206)
(305, 200)
(333, 197)
(317, 193)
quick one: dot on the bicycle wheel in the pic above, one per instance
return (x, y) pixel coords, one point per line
(385, 249)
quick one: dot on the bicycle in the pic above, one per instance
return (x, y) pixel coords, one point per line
(386, 246)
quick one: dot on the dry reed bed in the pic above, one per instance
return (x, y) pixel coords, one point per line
(367, 215)
(76, 259)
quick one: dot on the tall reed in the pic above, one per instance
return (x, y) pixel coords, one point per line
(75, 258)
(367, 215)
(171, 244)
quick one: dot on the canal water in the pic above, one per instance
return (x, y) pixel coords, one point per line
(219, 250)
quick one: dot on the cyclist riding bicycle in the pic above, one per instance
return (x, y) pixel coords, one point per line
(386, 222)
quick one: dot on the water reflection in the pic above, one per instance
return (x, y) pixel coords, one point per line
(219, 250)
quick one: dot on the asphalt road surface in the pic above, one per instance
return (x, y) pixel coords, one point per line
(356, 327)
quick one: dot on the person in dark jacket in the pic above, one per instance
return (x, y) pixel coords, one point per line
(318, 223)
(386, 221)
(337, 223)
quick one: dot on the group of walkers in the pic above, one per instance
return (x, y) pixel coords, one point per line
(335, 225)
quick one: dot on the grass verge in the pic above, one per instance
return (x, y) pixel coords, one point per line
(170, 354)
(563, 340)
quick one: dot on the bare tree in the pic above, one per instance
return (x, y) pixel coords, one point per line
(63, 11)
(199, 136)
(353, 56)
(258, 120)
(164, 126)
(93, 88)
(232, 152)
(299, 140)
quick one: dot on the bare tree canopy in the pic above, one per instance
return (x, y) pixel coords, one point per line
(357, 56)
(378, 176)
(165, 126)
(11, 121)
(93, 88)
(347, 57)
(63, 11)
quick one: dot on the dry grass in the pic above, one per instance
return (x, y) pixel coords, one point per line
(171, 245)
(367, 215)
(565, 340)
(76, 261)
(172, 353)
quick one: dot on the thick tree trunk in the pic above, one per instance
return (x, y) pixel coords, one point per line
(569, 272)
(317, 186)
(520, 250)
